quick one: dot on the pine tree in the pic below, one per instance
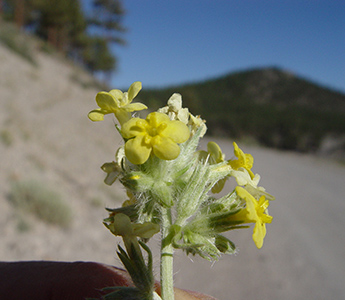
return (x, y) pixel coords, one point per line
(106, 21)
(107, 18)
(64, 25)
(97, 56)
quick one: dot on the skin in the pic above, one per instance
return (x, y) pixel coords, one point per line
(45, 280)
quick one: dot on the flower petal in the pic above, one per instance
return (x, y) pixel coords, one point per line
(96, 115)
(133, 90)
(145, 230)
(242, 176)
(157, 118)
(238, 152)
(134, 107)
(215, 152)
(122, 225)
(175, 102)
(133, 127)
(137, 151)
(106, 101)
(177, 131)
(117, 95)
(249, 161)
(165, 148)
(196, 123)
(183, 115)
(259, 234)
(251, 203)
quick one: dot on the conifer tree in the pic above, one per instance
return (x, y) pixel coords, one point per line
(107, 18)
(97, 56)
(64, 25)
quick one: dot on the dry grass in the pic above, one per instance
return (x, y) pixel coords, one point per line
(38, 199)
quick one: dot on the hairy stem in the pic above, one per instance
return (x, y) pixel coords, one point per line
(167, 283)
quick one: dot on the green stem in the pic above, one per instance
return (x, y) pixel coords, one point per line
(167, 280)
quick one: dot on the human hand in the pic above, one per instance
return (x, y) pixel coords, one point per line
(46, 280)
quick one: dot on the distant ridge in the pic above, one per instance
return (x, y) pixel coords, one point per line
(273, 106)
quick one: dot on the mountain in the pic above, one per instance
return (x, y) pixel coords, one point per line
(270, 105)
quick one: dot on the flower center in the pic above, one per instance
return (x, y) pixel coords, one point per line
(153, 130)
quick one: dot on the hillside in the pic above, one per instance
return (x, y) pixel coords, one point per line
(47, 140)
(269, 105)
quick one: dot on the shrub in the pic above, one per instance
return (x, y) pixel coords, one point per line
(44, 203)
(6, 137)
(18, 43)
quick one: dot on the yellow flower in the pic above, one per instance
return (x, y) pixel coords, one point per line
(118, 103)
(157, 134)
(244, 160)
(243, 178)
(254, 212)
(214, 155)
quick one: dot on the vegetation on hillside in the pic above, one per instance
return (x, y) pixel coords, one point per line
(37, 199)
(274, 107)
(65, 25)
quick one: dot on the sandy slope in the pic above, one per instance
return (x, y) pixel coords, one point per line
(44, 111)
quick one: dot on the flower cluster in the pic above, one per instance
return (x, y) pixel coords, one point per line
(173, 186)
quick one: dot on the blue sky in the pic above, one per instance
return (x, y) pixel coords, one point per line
(181, 41)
